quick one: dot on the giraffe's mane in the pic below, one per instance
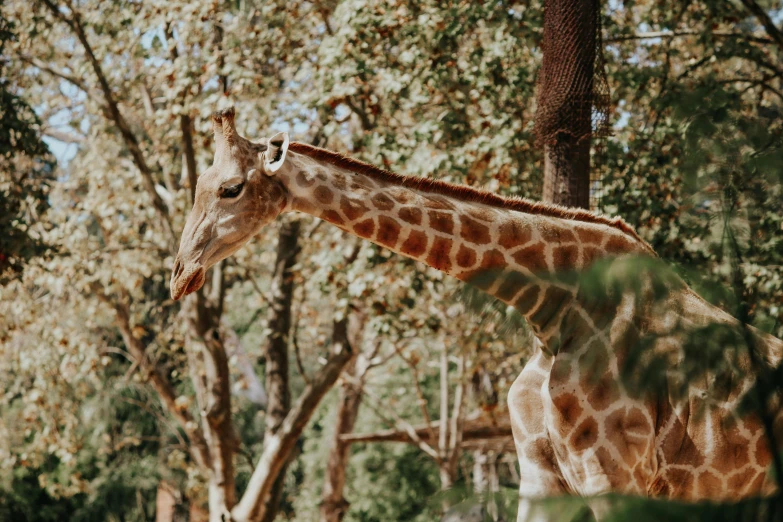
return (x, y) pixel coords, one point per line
(464, 192)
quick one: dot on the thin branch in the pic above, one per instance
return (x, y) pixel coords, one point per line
(457, 415)
(443, 434)
(65, 137)
(163, 420)
(765, 20)
(159, 382)
(665, 35)
(756, 83)
(295, 338)
(470, 434)
(114, 113)
(38, 64)
(401, 425)
(419, 393)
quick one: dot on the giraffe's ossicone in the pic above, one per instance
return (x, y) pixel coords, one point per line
(578, 428)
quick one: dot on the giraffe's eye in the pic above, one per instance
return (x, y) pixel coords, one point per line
(232, 191)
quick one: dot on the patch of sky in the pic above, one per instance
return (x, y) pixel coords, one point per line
(64, 151)
(148, 40)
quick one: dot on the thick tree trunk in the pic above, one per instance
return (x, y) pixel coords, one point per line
(277, 385)
(563, 120)
(567, 173)
(208, 365)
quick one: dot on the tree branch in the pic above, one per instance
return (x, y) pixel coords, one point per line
(276, 350)
(185, 126)
(665, 35)
(765, 20)
(65, 137)
(159, 382)
(38, 64)
(114, 113)
(277, 448)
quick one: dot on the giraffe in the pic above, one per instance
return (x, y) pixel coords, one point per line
(577, 428)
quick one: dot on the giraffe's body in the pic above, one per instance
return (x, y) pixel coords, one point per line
(576, 428)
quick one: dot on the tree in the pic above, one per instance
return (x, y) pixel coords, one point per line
(569, 97)
(424, 88)
(27, 169)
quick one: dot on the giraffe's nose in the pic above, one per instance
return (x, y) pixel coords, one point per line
(177, 268)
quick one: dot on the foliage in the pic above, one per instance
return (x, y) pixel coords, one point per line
(438, 89)
(26, 169)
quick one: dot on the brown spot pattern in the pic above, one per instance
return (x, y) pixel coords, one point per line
(415, 244)
(626, 431)
(352, 208)
(513, 282)
(618, 475)
(527, 300)
(400, 195)
(568, 407)
(541, 451)
(303, 180)
(437, 202)
(710, 485)
(332, 217)
(556, 234)
(388, 231)
(566, 257)
(438, 256)
(339, 181)
(441, 221)
(618, 245)
(553, 303)
(493, 259)
(466, 257)
(532, 258)
(365, 228)
(382, 202)
(590, 254)
(680, 480)
(604, 393)
(740, 480)
(482, 214)
(584, 435)
(474, 232)
(323, 195)
(514, 234)
(763, 455)
(410, 215)
(589, 235)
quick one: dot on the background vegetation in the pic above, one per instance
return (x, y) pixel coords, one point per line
(104, 124)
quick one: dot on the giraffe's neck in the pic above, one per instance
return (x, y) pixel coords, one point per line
(509, 254)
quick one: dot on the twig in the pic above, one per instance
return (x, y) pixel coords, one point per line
(664, 35)
(419, 393)
(295, 338)
(765, 20)
(400, 424)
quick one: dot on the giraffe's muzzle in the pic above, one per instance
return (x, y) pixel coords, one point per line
(186, 280)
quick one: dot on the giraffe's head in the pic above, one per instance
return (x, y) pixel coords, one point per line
(235, 197)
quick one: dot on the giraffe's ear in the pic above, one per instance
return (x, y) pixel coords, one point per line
(276, 149)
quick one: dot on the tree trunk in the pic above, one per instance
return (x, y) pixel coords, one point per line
(277, 385)
(563, 119)
(567, 172)
(277, 449)
(334, 506)
(165, 502)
